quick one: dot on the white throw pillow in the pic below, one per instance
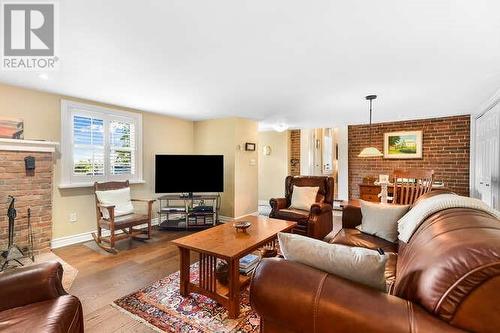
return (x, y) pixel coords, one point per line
(119, 198)
(381, 220)
(353, 263)
(303, 197)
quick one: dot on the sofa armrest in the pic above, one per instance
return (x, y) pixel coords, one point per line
(31, 284)
(351, 216)
(278, 203)
(320, 302)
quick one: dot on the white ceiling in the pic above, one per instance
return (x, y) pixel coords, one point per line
(303, 63)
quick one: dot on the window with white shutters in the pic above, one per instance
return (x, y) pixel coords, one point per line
(99, 144)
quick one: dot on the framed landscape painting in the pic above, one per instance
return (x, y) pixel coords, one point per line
(403, 144)
(11, 128)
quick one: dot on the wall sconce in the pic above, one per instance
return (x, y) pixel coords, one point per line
(266, 150)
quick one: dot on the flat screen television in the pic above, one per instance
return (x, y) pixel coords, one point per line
(189, 173)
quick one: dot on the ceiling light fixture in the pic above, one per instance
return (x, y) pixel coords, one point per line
(281, 127)
(370, 151)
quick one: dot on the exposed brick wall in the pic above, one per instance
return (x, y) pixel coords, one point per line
(445, 142)
(294, 152)
(34, 191)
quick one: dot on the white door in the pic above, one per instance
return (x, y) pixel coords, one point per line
(487, 172)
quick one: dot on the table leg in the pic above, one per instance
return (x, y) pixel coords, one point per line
(184, 271)
(234, 289)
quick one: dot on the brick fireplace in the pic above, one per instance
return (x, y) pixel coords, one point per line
(32, 189)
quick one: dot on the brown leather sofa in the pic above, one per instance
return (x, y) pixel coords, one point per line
(318, 221)
(445, 279)
(32, 299)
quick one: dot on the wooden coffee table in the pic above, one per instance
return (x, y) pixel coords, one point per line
(224, 242)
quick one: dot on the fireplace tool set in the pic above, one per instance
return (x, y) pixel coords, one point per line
(14, 253)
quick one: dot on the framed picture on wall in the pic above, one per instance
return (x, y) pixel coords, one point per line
(250, 146)
(400, 145)
(11, 128)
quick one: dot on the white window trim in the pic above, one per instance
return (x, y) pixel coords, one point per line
(67, 149)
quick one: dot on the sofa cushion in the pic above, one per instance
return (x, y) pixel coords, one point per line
(354, 237)
(381, 219)
(57, 315)
(345, 261)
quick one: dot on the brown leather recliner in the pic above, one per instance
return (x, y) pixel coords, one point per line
(318, 221)
(32, 299)
(445, 279)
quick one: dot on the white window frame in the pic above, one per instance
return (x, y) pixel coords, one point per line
(68, 109)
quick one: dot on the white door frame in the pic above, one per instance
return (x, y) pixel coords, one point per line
(485, 107)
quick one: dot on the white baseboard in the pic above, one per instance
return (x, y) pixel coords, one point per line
(86, 236)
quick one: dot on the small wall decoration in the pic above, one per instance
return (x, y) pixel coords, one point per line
(403, 144)
(11, 128)
(249, 146)
(266, 150)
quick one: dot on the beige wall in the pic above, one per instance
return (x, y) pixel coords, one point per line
(216, 137)
(41, 114)
(246, 169)
(228, 136)
(273, 168)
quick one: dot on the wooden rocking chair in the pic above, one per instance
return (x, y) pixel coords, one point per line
(124, 223)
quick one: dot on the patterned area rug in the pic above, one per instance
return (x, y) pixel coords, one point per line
(162, 307)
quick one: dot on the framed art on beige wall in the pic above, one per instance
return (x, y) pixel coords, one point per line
(406, 144)
(11, 128)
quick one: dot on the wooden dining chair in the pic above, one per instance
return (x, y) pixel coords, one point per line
(411, 184)
(125, 223)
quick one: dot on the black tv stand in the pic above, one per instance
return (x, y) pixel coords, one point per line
(188, 212)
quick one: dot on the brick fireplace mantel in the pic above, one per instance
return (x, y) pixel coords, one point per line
(31, 189)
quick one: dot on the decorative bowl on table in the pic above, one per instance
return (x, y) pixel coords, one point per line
(241, 225)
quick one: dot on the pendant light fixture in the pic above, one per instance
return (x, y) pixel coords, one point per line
(370, 151)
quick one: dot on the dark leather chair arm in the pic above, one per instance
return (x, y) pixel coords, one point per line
(298, 298)
(321, 208)
(320, 221)
(30, 284)
(278, 203)
(351, 216)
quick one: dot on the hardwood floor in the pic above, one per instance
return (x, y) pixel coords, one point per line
(103, 277)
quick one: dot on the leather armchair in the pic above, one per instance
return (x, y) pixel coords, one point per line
(32, 299)
(318, 221)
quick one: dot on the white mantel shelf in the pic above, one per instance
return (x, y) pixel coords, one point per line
(28, 145)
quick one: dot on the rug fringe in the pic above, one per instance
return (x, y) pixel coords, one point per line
(137, 318)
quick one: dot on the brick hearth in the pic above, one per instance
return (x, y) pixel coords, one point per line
(30, 190)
